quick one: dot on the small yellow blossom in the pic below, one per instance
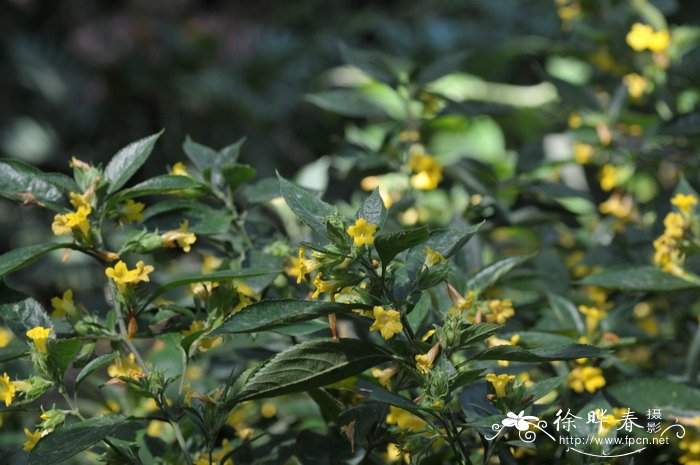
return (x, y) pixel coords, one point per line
(659, 41)
(500, 382)
(205, 343)
(5, 337)
(684, 202)
(574, 121)
(619, 206)
(608, 177)
(32, 439)
(675, 225)
(500, 311)
(268, 410)
(423, 363)
(181, 237)
(388, 322)
(7, 389)
(582, 152)
(394, 454)
(64, 305)
(82, 200)
(461, 304)
(300, 266)
(323, 286)
(131, 211)
(404, 420)
(179, 169)
(123, 276)
(428, 172)
(362, 232)
(72, 222)
(636, 84)
(586, 378)
(433, 257)
(384, 376)
(125, 367)
(39, 335)
(593, 317)
(642, 37)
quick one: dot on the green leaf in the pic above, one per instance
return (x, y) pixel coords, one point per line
(224, 275)
(566, 312)
(638, 278)
(346, 102)
(385, 68)
(379, 394)
(164, 184)
(373, 210)
(311, 210)
(20, 312)
(202, 156)
(93, 366)
(312, 364)
(449, 241)
(389, 245)
(476, 333)
(490, 275)
(541, 354)
(542, 388)
(237, 174)
(128, 161)
(19, 258)
(330, 406)
(271, 314)
(674, 399)
(19, 177)
(61, 352)
(67, 441)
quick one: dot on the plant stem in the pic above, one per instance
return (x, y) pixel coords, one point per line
(692, 364)
(181, 441)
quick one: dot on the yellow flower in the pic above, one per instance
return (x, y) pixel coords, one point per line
(638, 37)
(428, 172)
(82, 200)
(423, 363)
(5, 337)
(394, 454)
(323, 286)
(179, 237)
(388, 322)
(675, 225)
(123, 276)
(636, 84)
(300, 266)
(179, 169)
(684, 202)
(125, 367)
(7, 389)
(433, 257)
(64, 305)
(619, 206)
(39, 335)
(501, 310)
(643, 36)
(574, 121)
(268, 410)
(384, 376)
(593, 316)
(659, 41)
(500, 383)
(72, 222)
(582, 152)
(608, 177)
(131, 211)
(362, 232)
(461, 304)
(404, 419)
(607, 421)
(589, 379)
(205, 343)
(32, 439)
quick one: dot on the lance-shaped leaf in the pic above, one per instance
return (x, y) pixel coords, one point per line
(494, 272)
(638, 278)
(311, 210)
(17, 177)
(540, 354)
(19, 258)
(159, 185)
(391, 244)
(128, 161)
(67, 441)
(93, 366)
(225, 275)
(373, 209)
(20, 312)
(312, 364)
(674, 399)
(271, 314)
